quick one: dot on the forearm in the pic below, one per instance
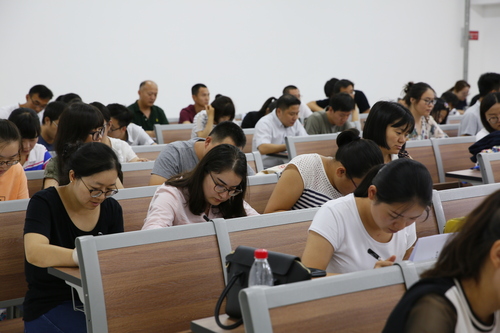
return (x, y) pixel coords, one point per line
(151, 134)
(314, 106)
(270, 148)
(208, 128)
(48, 255)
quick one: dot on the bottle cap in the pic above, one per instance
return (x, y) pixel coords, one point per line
(260, 254)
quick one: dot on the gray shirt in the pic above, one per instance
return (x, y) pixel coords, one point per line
(178, 157)
(318, 123)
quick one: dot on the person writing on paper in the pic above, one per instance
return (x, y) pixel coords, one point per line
(55, 217)
(389, 124)
(379, 215)
(215, 188)
(461, 293)
(310, 180)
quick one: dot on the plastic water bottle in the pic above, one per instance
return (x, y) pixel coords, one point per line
(260, 273)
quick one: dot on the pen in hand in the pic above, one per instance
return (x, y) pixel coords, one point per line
(373, 254)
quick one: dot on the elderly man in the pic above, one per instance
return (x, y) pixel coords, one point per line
(146, 114)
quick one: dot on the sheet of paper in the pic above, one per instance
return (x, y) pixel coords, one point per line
(428, 248)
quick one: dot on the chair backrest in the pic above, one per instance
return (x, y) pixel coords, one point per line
(450, 129)
(249, 132)
(254, 160)
(35, 181)
(455, 119)
(150, 281)
(150, 152)
(361, 300)
(135, 203)
(171, 133)
(452, 154)
(259, 190)
(323, 144)
(459, 202)
(430, 226)
(284, 232)
(13, 282)
(490, 167)
(422, 151)
(137, 174)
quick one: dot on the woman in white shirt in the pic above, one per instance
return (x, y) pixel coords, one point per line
(214, 189)
(373, 227)
(221, 109)
(489, 113)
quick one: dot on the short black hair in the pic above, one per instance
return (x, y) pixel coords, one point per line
(229, 129)
(104, 110)
(342, 102)
(223, 107)
(196, 88)
(488, 101)
(287, 89)
(415, 90)
(487, 83)
(328, 88)
(53, 110)
(69, 98)
(383, 114)
(27, 122)
(342, 84)
(42, 91)
(286, 101)
(9, 133)
(120, 113)
(450, 98)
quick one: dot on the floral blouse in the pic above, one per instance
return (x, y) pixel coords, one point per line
(430, 129)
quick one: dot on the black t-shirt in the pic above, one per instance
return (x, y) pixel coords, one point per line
(359, 98)
(47, 216)
(251, 119)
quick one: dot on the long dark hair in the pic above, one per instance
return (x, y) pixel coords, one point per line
(221, 158)
(90, 158)
(466, 253)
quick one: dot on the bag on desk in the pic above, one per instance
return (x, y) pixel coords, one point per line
(286, 269)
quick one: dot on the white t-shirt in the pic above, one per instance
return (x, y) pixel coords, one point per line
(338, 221)
(137, 136)
(481, 134)
(199, 123)
(122, 150)
(5, 111)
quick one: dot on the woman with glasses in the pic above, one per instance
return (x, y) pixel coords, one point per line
(373, 227)
(79, 123)
(310, 180)
(489, 113)
(55, 217)
(13, 182)
(461, 292)
(215, 188)
(420, 99)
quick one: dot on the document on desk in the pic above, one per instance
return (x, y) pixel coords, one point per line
(428, 248)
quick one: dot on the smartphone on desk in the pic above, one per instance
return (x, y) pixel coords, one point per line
(316, 272)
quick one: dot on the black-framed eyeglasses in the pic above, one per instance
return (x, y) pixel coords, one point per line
(430, 101)
(111, 129)
(493, 120)
(98, 133)
(98, 193)
(221, 188)
(9, 163)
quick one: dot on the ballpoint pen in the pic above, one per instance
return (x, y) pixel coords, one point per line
(373, 254)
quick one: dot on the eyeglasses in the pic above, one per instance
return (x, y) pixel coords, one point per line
(55, 123)
(9, 163)
(428, 101)
(98, 133)
(98, 193)
(111, 129)
(221, 188)
(493, 120)
(37, 103)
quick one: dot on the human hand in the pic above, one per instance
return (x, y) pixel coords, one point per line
(384, 263)
(210, 111)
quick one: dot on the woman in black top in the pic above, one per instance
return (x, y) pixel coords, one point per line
(55, 217)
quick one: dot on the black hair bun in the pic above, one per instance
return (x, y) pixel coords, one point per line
(347, 136)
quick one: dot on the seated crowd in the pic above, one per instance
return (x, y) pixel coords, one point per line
(370, 190)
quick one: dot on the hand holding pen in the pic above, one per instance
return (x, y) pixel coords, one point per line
(381, 263)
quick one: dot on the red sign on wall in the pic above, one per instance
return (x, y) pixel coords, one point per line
(473, 35)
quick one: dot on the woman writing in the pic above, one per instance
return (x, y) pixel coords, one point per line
(388, 124)
(215, 188)
(420, 98)
(55, 217)
(13, 182)
(461, 293)
(378, 218)
(310, 180)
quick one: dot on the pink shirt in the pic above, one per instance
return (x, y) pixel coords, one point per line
(169, 207)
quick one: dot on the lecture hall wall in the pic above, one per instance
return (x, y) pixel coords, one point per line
(248, 50)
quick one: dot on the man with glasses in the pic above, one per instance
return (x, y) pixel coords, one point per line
(50, 123)
(37, 99)
(471, 121)
(334, 118)
(121, 127)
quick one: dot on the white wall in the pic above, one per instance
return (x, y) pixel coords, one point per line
(249, 51)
